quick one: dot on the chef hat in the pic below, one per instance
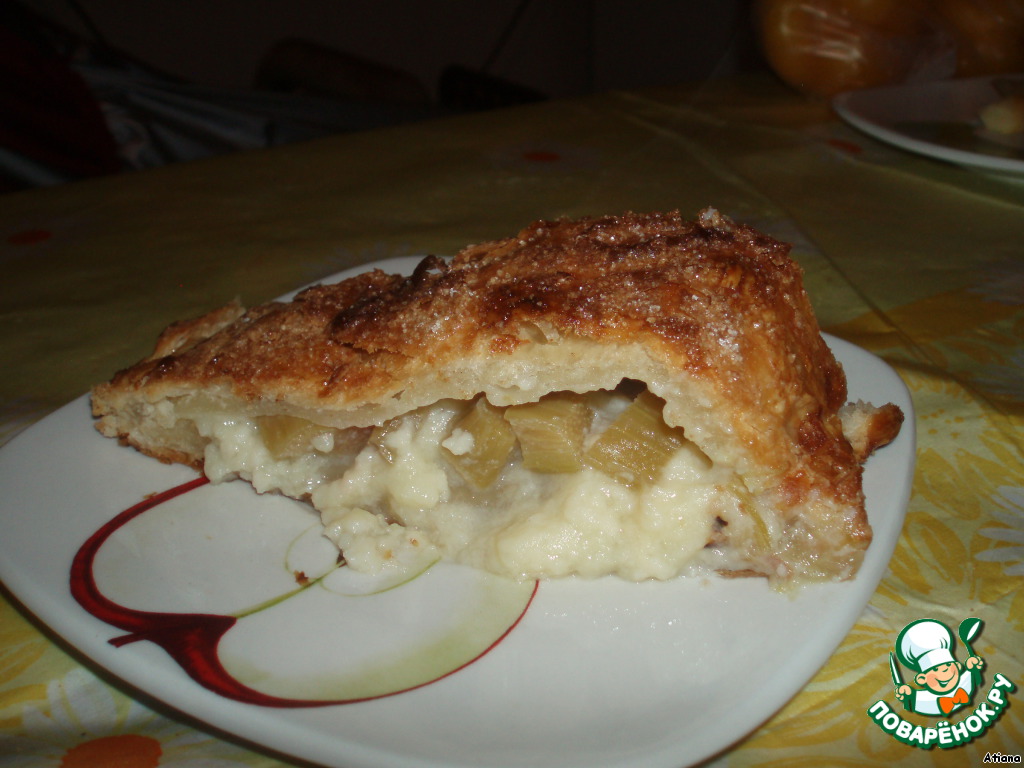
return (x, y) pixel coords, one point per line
(924, 644)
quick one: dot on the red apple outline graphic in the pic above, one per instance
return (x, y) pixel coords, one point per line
(192, 639)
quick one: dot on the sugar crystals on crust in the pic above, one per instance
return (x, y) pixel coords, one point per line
(716, 433)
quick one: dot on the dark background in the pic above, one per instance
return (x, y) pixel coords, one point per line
(560, 47)
(84, 84)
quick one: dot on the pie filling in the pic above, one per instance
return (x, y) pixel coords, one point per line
(593, 485)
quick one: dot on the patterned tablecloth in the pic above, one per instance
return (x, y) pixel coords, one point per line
(918, 261)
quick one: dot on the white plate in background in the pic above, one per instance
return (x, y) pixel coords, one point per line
(937, 119)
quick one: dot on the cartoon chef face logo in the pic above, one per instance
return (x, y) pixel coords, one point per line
(939, 686)
(943, 684)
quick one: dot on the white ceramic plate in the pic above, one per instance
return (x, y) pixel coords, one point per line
(938, 119)
(577, 673)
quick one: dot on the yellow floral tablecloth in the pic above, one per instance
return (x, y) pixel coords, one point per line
(920, 262)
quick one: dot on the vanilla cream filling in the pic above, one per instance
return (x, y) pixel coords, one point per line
(397, 494)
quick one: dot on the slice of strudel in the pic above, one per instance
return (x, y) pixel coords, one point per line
(638, 395)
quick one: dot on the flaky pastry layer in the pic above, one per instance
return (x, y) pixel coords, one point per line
(712, 316)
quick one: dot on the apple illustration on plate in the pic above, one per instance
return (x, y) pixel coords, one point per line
(247, 597)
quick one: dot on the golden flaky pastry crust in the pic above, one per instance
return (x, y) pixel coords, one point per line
(711, 315)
